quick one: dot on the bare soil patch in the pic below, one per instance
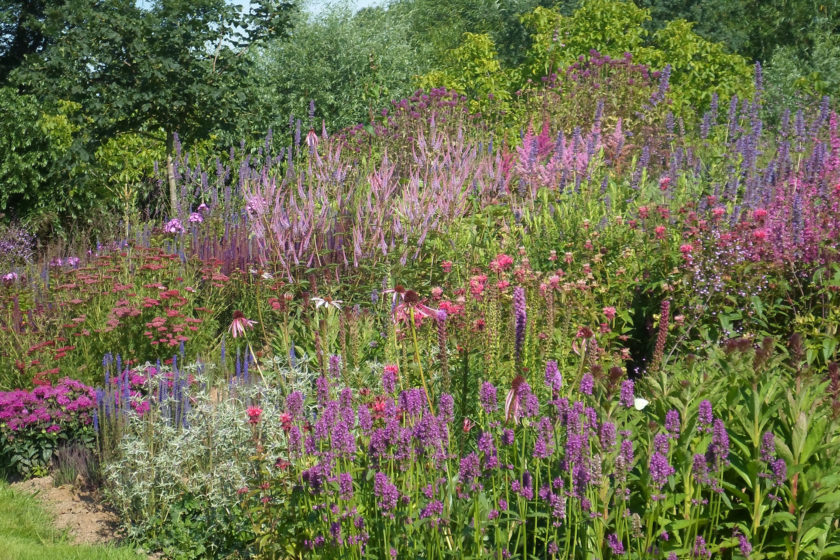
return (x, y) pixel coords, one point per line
(77, 510)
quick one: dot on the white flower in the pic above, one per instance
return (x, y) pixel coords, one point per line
(326, 303)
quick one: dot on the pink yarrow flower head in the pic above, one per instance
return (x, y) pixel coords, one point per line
(240, 324)
(254, 413)
(609, 313)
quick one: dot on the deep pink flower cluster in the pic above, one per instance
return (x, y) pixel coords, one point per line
(49, 407)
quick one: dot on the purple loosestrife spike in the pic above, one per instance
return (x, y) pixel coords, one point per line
(768, 447)
(700, 549)
(704, 416)
(672, 423)
(627, 397)
(615, 545)
(390, 378)
(487, 397)
(553, 379)
(718, 451)
(386, 492)
(520, 318)
(335, 367)
(587, 383)
(660, 470)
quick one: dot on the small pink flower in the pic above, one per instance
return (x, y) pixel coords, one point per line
(609, 313)
(196, 218)
(760, 234)
(437, 291)
(663, 183)
(759, 214)
(660, 232)
(254, 413)
(240, 324)
(501, 262)
(446, 266)
(173, 226)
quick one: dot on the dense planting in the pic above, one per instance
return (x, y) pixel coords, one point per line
(582, 322)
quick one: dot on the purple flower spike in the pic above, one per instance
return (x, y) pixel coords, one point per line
(627, 396)
(553, 379)
(587, 382)
(488, 398)
(615, 545)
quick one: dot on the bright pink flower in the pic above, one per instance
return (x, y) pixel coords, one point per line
(660, 232)
(446, 266)
(254, 413)
(501, 262)
(609, 313)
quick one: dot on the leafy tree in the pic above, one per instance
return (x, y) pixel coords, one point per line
(473, 69)
(21, 32)
(350, 65)
(169, 67)
(39, 157)
(751, 28)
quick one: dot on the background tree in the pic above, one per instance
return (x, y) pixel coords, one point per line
(169, 67)
(350, 64)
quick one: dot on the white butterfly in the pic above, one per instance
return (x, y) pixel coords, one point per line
(640, 404)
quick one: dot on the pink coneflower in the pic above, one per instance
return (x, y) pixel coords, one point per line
(240, 324)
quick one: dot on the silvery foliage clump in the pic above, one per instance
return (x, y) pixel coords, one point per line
(205, 457)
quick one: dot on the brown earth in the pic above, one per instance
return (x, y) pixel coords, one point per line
(77, 510)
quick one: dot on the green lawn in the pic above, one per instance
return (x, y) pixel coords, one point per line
(27, 533)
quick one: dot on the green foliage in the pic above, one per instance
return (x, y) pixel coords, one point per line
(753, 29)
(699, 68)
(350, 65)
(473, 69)
(608, 26)
(38, 158)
